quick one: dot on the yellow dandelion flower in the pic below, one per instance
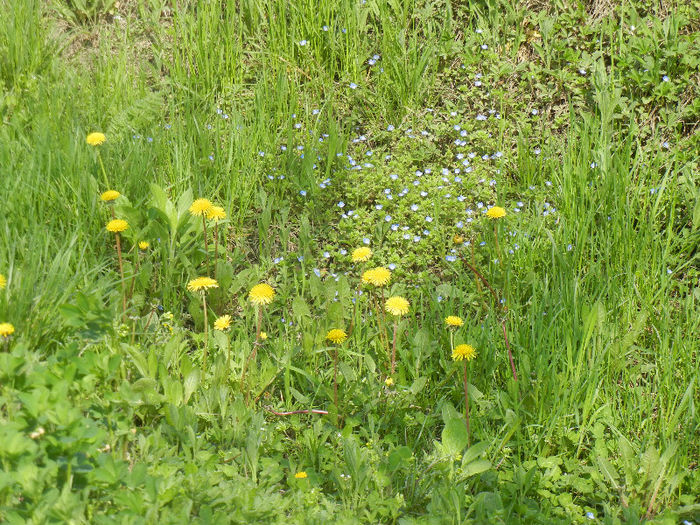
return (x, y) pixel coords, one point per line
(263, 336)
(95, 139)
(389, 382)
(458, 239)
(3, 282)
(110, 195)
(301, 475)
(222, 323)
(378, 276)
(261, 294)
(6, 330)
(336, 336)
(200, 207)
(453, 321)
(361, 254)
(396, 305)
(201, 284)
(496, 213)
(216, 213)
(117, 225)
(460, 352)
(144, 245)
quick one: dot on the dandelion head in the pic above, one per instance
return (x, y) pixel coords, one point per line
(95, 139)
(463, 351)
(3, 282)
(301, 475)
(200, 207)
(117, 225)
(222, 323)
(201, 284)
(389, 382)
(144, 245)
(110, 195)
(496, 213)
(362, 254)
(336, 336)
(216, 213)
(261, 294)
(452, 321)
(396, 305)
(458, 239)
(6, 330)
(378, 276)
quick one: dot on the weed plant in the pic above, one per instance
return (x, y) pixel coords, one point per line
(530, 169)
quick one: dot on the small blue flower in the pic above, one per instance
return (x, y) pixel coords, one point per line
(343, 251)
(303, 42)
(300, 258)
(590, 515)
(439, 298)
(394, 227)
(387, 218)
(428, 219)
(482, 243)
(378, 206)
(353, 85)
(302, 193)
(365, 240)
(326, 255)
(414, 207)
(392, 266)
(460, 225)
(450, 258)
(390, 127)
(317, 272)
(324, 28)
(665, 78)
(341, 204)
(393, 176)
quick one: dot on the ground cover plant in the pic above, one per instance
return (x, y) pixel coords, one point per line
(349, 262)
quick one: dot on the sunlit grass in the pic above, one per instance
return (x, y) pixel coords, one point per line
(372, 173)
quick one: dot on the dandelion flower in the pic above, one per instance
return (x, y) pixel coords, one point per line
(362, 254)
(200, 207)
(458, 239)
(461, 352)
(6, 330)
(222, 323)
(496, 213)
(3, 282)
(201, 284)
(301, 475)
(216, 213)
(389, 382)
(95, 139)
(454, 321)
(144, 245)
(110, 195)
(261, 294)
(396, 305)
(117, 225)
(378, 276)
(336, 336)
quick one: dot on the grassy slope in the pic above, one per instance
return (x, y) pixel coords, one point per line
(601, 291)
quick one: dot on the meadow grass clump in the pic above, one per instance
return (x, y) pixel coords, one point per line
(485, 221)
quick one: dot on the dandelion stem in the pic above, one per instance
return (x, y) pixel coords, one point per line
(466, 403)
(495, 235)
(206, 333)
(216, 245)
(206, 243)
(510, 354)
(254, 352)
(393, 347)
(335, 376)
(121, 273)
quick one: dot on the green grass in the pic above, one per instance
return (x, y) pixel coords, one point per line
(580, 122)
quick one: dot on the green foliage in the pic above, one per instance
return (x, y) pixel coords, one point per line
(577, 120)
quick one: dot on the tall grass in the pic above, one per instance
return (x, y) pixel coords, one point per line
(600, 312)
